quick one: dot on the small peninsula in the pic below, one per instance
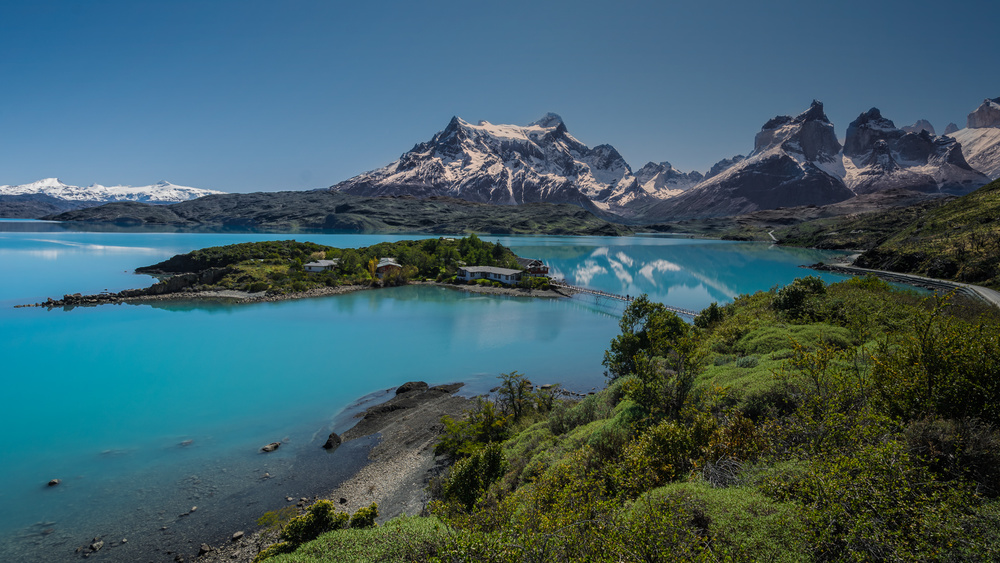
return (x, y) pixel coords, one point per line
(281, 270)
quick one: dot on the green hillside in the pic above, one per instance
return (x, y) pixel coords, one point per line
(844, 422)
(959, 240)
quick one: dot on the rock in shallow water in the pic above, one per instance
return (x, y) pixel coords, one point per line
(332, 442)
(271, 447)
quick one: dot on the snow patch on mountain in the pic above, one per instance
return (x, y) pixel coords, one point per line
(981, 147)
(980, 140)
(160, 192)
(662, 180)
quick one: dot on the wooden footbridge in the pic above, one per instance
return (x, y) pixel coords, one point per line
(614, 296)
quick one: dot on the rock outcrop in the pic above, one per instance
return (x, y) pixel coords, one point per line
(879, 156)
(723, 165)
(986, 115)
(980, 140)
(920, 125)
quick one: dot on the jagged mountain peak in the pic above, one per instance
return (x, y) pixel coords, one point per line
(548, 120)
(504, 164)
(723, 165)
(879, 156)
(809, 135)
(986, 115)
(868, 128)
(920, 125)
(814, 113)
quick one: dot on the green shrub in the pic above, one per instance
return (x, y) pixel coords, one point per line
(257, 286)
(320, 517)
(665, 452)
(747, 362)
(564, 418)
(958, 449)
(365, 517)
(799, 299)
(735, 524)
(471, 476)
(770, 339)
(710, 316)
(407, 538)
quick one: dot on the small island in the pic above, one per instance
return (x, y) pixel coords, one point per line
(287, 269)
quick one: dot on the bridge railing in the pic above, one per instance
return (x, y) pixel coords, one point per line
(623, 298)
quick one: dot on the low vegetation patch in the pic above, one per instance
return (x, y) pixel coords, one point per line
(844, 422)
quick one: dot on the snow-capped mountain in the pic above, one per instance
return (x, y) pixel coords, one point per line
(795, 161)
(160, 192)
(505, 164)
(662, 180)
(981, 138)
(879, 156)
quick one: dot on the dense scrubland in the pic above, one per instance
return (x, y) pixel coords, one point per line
(957, 239)
(844, 422)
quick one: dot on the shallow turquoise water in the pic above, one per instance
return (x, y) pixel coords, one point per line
(101, 397)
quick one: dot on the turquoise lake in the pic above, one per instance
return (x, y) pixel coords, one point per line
(104, 397)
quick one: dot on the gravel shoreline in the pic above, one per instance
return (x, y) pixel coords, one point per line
(242, 297)
(401, 463)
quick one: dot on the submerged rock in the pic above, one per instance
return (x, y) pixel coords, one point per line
(332, 442)
(411, 386)
(271, 447)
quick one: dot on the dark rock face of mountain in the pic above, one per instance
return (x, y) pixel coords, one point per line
(866, 130)
(920, 125)
(723, 165)
(793, 163)
(507, 165)
(33, 206)
(880, 156)
(986, 115)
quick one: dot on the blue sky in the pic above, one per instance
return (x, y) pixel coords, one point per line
(265, 95)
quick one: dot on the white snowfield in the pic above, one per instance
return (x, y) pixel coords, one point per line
(160, 192)
(981, 148)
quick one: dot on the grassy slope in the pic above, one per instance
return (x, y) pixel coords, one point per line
(861, 231)
(959, 240)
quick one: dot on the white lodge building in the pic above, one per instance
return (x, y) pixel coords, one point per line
(321, 265)
(502, 275)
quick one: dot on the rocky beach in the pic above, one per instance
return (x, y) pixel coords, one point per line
(400, 464)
